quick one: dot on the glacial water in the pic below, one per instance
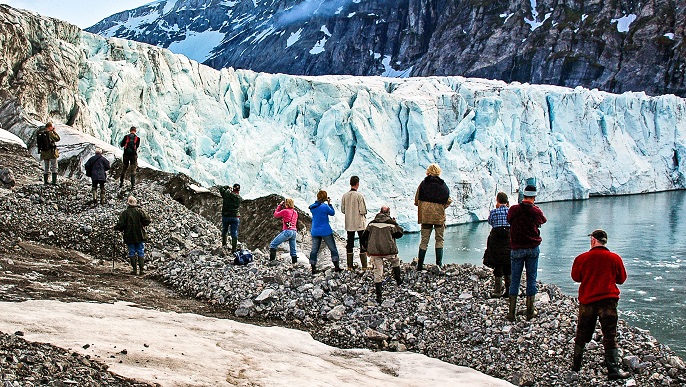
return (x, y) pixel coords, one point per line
(648, 231)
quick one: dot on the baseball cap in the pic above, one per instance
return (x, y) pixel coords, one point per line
(599, 235)
(236, 187)
(530, 191)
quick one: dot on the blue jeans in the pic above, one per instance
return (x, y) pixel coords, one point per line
(519, 259)
(285, 235)
(317, 242)
(233, 222)
(136, 249)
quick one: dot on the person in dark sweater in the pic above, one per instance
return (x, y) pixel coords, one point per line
(525, 238)
(97, 167)
(132, 222)
(600, 271)
(231, 217)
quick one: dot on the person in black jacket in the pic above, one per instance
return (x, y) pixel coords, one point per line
(379, 240)
(97, 167)
(132, 222)
(130, 143)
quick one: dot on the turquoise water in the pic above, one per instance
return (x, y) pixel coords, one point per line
(648, 231)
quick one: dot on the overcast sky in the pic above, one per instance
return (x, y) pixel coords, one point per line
(82, 13)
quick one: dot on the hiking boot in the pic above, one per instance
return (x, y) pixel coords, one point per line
(54, 178)
(397, 276)
(377, 288)
(531, 311)
(578, 355)
(349, 260)
(614, 372)
(497, 287)
(132, 261)
(363, 260)
(439, 257)
(420, 259)
(511, 312)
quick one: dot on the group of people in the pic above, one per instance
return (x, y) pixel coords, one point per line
(513, 244)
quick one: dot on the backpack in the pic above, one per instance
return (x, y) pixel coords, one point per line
(242, 257)
(130, 144)
(43, 141)
(89, 169)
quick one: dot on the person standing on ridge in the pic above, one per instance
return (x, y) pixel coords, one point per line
(97, 167)
(432, 198)
(525, 238)
(130, 143)
(231, 217)
(355, 209)
(497, 254)
(289, 219)
(132, 222)
(321, 230)
(379, 239)
(600, 271)
(45, 142)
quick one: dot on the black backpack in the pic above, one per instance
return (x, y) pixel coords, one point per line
(242, 257)
(130, 144)
(43, 141)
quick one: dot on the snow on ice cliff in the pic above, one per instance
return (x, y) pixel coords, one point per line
(294, 135)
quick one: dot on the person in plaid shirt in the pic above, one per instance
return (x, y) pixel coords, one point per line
(497, 254)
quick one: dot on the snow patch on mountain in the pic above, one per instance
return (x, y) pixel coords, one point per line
(197, 44)
(624, 22)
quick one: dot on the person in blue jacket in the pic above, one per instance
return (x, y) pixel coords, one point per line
(321, 230)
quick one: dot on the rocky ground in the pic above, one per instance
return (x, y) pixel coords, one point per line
(54, 244)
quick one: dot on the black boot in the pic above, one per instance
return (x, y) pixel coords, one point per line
(349, 260)
(224, 238)
(506, 292)
(294, 259)
(141, 261)
(531, 311)
(272, 254)
(439, 257)
(578, 355)
(45, 178)
(336, 267)
(614, 372)
(420, 259)
(132, 261)
(133, 181)
(363, 260)
(377, 287)
(497, 287)
(121, 181)
(512, 310)
(234, 243)
(396, 276)
(54, 178)
(314, 269)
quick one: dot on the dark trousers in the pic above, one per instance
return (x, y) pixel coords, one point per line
(604, 310)
(502, 270)
(129, 159)
(350, 243)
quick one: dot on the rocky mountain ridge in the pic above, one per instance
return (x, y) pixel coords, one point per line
(611, 46)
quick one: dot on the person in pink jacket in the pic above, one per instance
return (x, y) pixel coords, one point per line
(289, 218)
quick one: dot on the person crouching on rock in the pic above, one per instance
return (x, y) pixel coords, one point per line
(97, 167)
(132, 221)
(599, 270)
(321, 230)
(379, 239)
(497, 254)
(289, 218)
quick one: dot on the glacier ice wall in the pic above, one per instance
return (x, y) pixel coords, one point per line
(294, 135)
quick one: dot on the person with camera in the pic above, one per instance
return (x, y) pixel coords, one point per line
(321, 230)
(289, 218)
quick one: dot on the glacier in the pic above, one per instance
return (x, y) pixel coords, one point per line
(294, 135)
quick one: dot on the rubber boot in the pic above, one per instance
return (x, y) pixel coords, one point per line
(336, 267)
(397, 276)
(224, 238)
(531, 311)
(420, 259)
(54, 178)
(133, 180)
(294, 259)
(234, 243)
(45, 178)
(141, 261)
(439, 257)
(272, 254)
(497, 287)
(102, 195)
(506, 292)
(349, 260)
(377, 287)
(578, 355)
(314, 269)
(121, 181)
(512, 310)
(614, 372)
(363, 260)
(132, 261)
(94, 192)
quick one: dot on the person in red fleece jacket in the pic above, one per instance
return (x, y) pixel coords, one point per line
(600, 271)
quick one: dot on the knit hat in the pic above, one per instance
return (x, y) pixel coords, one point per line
(530, 191)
